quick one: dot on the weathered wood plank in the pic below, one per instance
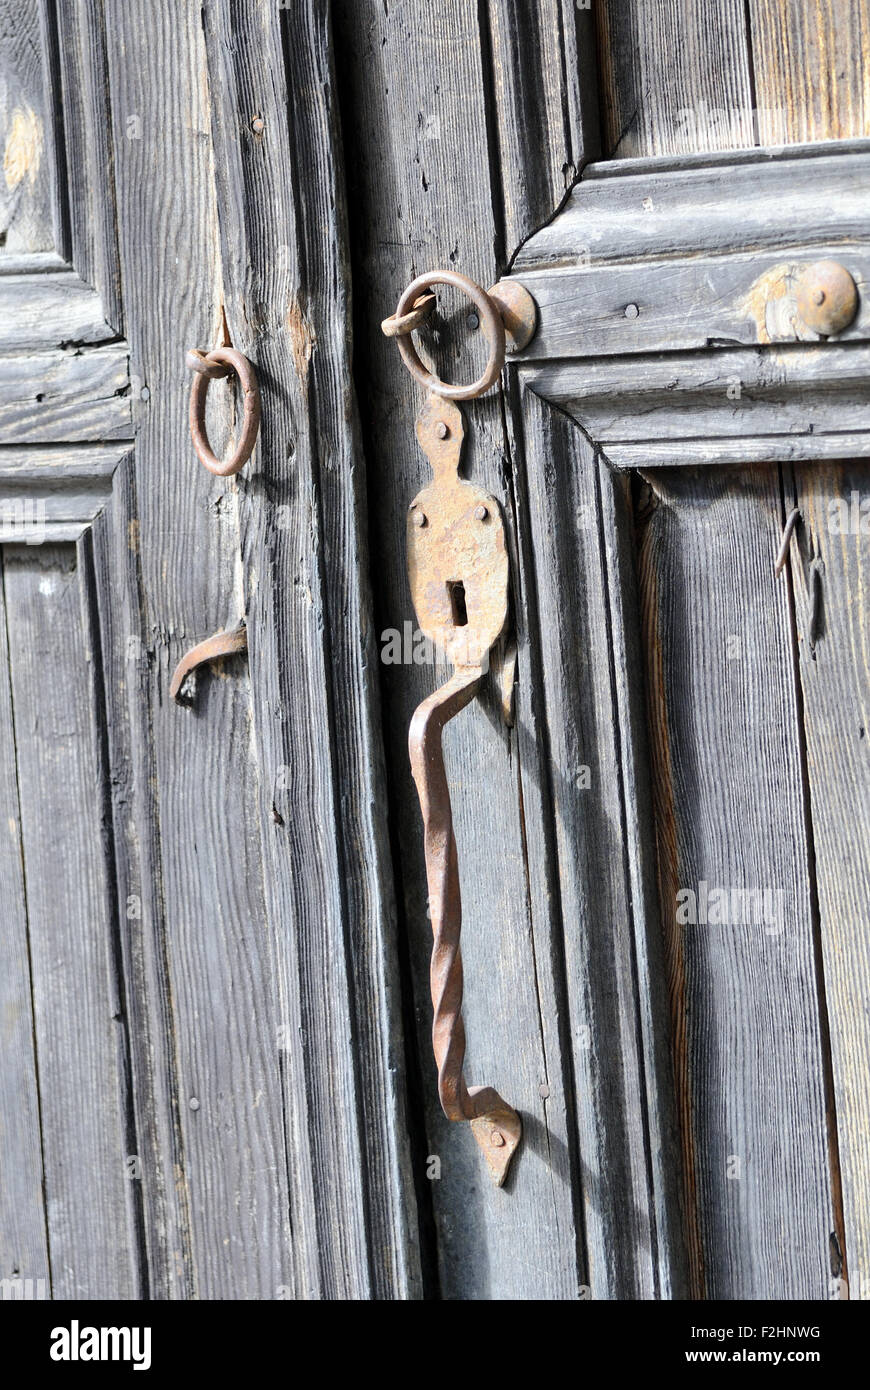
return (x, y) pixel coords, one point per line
(681, 305)
(751, 448)
(53, 309)
(831, 580)
(128, 644)
(544, 109)
(322, 800)
(57, 464)
(26, 133)
(88, 184)
(729, 815)
(23, 1235)
(416, 79)
(810, 61)
(65, 395)
(704, 205)
(578, 605)
(68, 861)
(674, 77)
(215, 934)
(794, 400)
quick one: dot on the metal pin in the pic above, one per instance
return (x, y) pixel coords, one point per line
(782, 555)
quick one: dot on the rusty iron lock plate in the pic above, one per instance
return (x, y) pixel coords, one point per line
(457, 551)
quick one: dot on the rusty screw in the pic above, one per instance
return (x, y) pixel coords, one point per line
(442, 430)
(819, 297)
(481, 513)
(496, 1139)
(258, 125)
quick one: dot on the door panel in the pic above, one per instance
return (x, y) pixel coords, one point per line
(82, 1051)
(735, 882)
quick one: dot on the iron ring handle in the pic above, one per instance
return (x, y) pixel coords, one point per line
(220, 362)
(490, 318)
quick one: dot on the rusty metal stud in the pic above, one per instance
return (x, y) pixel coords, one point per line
(203, 365)
(453, 555)
(826, 297)
(519, 313)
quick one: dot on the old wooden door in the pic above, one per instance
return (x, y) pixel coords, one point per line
(214, 996)
(196, 899)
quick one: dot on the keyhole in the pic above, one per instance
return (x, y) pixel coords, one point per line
(456, 595)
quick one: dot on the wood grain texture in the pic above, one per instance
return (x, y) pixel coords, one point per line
(541, 62)
(831, 582)
(87, 176)
(706, 204)
(811, 63)
(45, 396)
(793, 401)
(212, 930)
(729, 814)
(23, 1233)
(128, 648)
(322, 802)
(578, 642)
(26, 134)
(50, 310)
(68, 862)
(674, 76)
(419, 144)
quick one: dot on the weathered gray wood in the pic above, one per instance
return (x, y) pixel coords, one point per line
(213, 930)
(23, 1235)
(729, 813)
(578, 604)
(750, 448)
(428, 98)
(68, 863)
(87, 176)
(51, 309)
(674, 76)
(26, 134)
(684, 304)
(128, 643)
(791, 400)
(314, 655)
(707, 205)
(544, 118)
(53, 493)
(58, 464)
(66, 395)
(829, 569)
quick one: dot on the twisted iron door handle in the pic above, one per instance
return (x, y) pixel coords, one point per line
(458, 568)
(495, 1124)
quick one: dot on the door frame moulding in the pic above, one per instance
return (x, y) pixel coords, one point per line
(667, 321)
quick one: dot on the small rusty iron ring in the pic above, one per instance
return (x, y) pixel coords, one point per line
(491, 322)
(224, 360)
